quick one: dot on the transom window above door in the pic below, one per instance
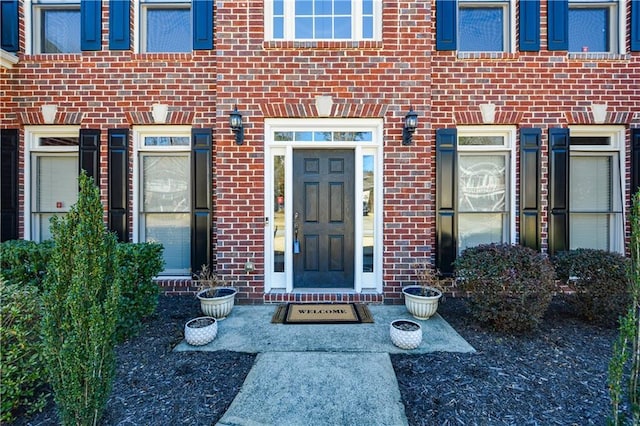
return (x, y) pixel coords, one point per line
(323, 19)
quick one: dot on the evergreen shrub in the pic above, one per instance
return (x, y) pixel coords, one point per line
(510, 286)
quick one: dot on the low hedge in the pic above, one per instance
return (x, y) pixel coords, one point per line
(21, 360)
(510, 286)
(599, 282)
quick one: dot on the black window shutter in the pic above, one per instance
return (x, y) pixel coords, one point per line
(201, 142)
(558, 190)
(9, 184)
(118, 148)
(529, 25)
(635, 161)
(446, 234)
(530, 187)
(9, 34)
(91, 24)
(90, 153)
(202, 24)
(558, 24)
(446, 24)
(119, 32)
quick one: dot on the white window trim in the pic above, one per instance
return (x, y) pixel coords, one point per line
(616, 135)
(138, 26)
(289, 23)
(139, 133)
(509, 134)
(620, 20)
(363, 282)
(32, 135)
(509, 27)
(32, 44)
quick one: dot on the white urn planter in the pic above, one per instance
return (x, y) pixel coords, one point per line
(421, 302)
(200, 331)
(217, 302)
(405, 334)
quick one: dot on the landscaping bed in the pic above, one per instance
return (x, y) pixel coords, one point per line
(557, 375)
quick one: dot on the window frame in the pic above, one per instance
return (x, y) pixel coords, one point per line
(34, 21)
(616, 147)
(140, 21)
(139, 149)
(32, 137)
(290, 17)
(616, 24)
(509, 25)
(508, 148)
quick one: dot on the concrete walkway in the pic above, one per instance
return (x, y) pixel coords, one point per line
(321, 374)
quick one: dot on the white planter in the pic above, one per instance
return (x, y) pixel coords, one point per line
(200, 331)
(421, 307)
(220, 306)
(404, 337)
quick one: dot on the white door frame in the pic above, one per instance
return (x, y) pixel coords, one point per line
(283, 281)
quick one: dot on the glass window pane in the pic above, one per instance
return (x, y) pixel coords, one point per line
(278, 7)
(304, 28)
(589, 231)
(303, 136)
(322, 7)
(166, 184)
(168, 30)
(591, 181)
(481, 29)
(482, 183)
(304, 7)
(481, 140)
(342, 28)
(279, 222)
(367, 7)
(342, 7)
(323, 28)
(368, 213)
(167, 141)
(367, 27)
(283, 136)
(322, 136)
(174, 232)
(589, 30)
(56, 184)
(60, 31)
(475, 229)
(58, 141)
(278, 28)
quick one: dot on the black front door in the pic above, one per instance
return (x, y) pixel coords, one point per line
(323, 210)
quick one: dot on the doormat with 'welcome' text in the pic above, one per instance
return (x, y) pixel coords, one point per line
(322, 313)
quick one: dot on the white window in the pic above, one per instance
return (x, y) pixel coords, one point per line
(163, 196)
(323, 19)
(485, 185)
(596, 174)
(594, 26)
(165, 26)
(485, 26)
(52, 176)
(56, 26)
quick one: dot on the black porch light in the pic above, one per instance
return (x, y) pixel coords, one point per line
(235, 121)
(410, 124)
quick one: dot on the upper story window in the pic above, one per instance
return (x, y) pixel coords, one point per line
(165, 26)
(56, 26)
(593, 26)
(484, 26)
(323, 19)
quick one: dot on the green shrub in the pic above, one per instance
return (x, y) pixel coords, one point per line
(137, 265)
(510, 286)
(81, 302)
(599, 281)
(21, 365)
(24, 262)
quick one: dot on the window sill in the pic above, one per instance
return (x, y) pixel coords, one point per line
(324, 44)
(487, 55)
(602, 56)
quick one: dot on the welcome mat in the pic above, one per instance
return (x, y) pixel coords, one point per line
(322, 313)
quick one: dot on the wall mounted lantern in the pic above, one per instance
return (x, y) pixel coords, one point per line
(235, 121)
(410, 124)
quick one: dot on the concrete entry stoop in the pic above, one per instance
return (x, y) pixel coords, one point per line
(321, 374)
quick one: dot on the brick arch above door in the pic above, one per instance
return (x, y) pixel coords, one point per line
(339, 109)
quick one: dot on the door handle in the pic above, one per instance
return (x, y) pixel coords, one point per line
(296, 241)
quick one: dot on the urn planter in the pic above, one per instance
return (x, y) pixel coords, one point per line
(421, 302)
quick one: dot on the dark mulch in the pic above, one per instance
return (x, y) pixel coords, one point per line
(557, 375)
